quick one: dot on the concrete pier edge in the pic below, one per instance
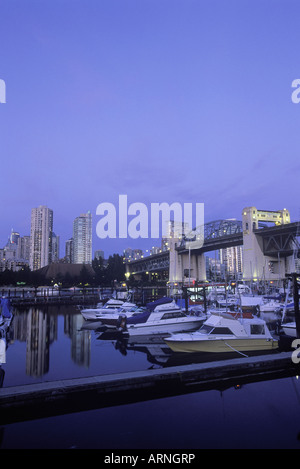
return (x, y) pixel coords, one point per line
(68, 395)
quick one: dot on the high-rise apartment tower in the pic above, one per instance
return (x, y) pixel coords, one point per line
(41, 237)
(82, 239)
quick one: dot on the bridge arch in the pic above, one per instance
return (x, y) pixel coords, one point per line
(212, 230)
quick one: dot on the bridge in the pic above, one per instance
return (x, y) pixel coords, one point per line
(279, 240)
(217, 234)
(268, 251)
(155, 263)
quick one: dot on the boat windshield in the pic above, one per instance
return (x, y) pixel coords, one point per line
(257, 329)
(205, 329)
(173, 314)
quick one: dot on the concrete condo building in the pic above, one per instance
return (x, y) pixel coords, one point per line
(41, 237)
(82, 239)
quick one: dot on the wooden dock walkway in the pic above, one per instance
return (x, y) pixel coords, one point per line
(32, 401)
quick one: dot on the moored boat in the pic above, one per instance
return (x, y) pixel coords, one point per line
(114, 319)
(270, 305)
(110, 306)
(289, 328)
(163, 319)
(225, 333)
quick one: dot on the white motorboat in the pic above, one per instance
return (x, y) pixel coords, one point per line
(163, 319)
(115, 318)
(110, 306)
(270, 305)
(289, 307)
(289, 328)
(225, 333)
(251, 300)
(196, 309)
(228, 302)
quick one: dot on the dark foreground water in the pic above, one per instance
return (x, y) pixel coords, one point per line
(46, 345)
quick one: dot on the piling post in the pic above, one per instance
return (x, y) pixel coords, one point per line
(204, 298)
(185, 295)
(294, 277)
(296, 303)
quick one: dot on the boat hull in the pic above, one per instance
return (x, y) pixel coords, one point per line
(221, 345)
(290, 329)
(95, 314)
(165, 328)
(90, 316)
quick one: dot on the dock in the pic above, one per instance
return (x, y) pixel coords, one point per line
(89, 299)
(45, 399)
(45, 296)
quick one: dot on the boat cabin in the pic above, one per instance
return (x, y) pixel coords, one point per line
(225, 324)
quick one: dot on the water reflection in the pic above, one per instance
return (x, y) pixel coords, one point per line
(153, 347)
(159, 354)
(39, 329)
(59, 343)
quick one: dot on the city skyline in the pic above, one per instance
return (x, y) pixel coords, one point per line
(175, 101)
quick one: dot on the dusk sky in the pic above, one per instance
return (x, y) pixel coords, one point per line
(162, 100)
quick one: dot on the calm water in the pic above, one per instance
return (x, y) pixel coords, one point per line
(53, 344)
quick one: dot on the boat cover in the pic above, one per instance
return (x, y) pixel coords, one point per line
(278, 297)
(161, 301)
(5, 308)
(138, 318)
(2, 351)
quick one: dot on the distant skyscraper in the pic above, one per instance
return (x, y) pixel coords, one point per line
(41, 237)
(12, 242)
(14, 237)
(233, 259)
(69, 251)
(99, 254)
(55, 248)
(82, 239)
(24, 247)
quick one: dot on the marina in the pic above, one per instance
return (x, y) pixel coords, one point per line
(72, 367)
(150, 227)
(84, 351)
(49, 295)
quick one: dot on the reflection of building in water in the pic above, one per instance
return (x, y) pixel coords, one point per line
(80, 340)
(41, 331)
(19, 326)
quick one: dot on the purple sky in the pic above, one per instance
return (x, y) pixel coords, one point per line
(162, 100)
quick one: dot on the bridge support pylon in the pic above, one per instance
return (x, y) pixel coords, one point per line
(257, 265)
(186, 265)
